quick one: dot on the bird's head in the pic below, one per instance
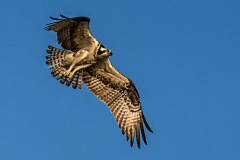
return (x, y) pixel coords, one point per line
(102, 52)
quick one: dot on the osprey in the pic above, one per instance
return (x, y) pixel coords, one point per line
(85, 59)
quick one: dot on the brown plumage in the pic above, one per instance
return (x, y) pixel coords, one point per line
(121, 96)
(72, 33)
(97, 73)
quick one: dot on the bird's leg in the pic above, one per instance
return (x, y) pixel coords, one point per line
(77, 57)
(78, 68)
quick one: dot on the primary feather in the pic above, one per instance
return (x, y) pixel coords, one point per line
(88, 62)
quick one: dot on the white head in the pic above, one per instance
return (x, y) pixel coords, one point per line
(102, 52)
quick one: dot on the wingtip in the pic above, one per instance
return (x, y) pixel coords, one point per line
(63, 16)
(139, 147)
(127, 138)
(46, 28)
(58, 19)
(137, 135)
(143, 133)
(146, 124)
(52, 17)
(131, 143)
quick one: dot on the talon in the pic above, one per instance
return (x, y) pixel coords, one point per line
(66, 73)
(70, 75)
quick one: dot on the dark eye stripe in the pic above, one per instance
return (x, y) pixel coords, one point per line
(101, 50)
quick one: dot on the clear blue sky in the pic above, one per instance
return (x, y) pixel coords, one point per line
(183, 56)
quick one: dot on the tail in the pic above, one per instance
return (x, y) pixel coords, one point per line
(56, 59)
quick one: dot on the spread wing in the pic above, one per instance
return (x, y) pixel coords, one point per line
(72, 33)
(121, 96)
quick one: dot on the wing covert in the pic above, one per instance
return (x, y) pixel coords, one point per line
(72, 33)
(88, 62)
(121, 96)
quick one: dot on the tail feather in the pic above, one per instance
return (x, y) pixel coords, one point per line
(75, 81)
(56, 51)
(56, 59)
(57, 71)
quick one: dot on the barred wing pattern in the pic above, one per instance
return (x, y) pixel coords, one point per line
(73, 33)
(57, 58)
(110, 86)
(121, 98)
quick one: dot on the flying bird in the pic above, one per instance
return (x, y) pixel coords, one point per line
(84, 59)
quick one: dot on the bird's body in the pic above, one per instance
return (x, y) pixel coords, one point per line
(84, 59)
